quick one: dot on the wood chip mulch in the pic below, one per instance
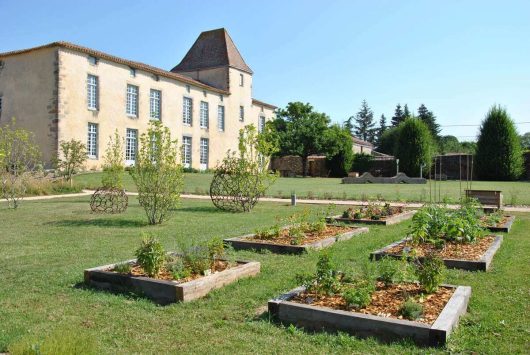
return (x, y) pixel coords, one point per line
(387, 301)
(164, 274)
(284, 239)
(484, 220)
(451, 250)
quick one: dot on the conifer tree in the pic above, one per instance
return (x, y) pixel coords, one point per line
(430, 120)
(406, 111)
(382, 128)
(348, 124)
(364, 123)
(398, 116)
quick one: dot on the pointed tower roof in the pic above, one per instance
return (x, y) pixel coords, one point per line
(212, 49)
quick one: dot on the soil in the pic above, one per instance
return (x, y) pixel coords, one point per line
(451, 250)
(393, 211)
(502, 222)
(164, 274)
(387, 301)
(310, 237)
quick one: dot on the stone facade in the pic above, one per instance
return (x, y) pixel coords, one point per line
(46, 90)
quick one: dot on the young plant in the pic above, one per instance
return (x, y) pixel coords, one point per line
(430, 273)
(360, 294)
(327, 275)
(197, 259)
(411, 309)
(73, 155)
(123, 268)
(157, 173)
(113, 168)
(388, 270)
(216, 250)
(151, 256)
(177, 268)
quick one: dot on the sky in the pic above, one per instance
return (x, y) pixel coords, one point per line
(457, 57)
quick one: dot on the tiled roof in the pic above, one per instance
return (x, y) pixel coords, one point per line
(261, 103)
(359, 141)
(212, 49)
(132, 64)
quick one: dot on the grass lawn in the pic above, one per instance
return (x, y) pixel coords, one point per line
(45, 245)
(515, 193)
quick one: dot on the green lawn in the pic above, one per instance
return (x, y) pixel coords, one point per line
(45, 245)
(515, 193)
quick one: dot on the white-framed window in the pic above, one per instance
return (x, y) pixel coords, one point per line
(241, 80)
(92, 141)
(204, 114)
(241, 113)
(132, 100)
(131, 145)
(155, 104)
(187, 111)
(221, 118)
(186, 151)
(261, 124)
(205, 142)
(92, 92)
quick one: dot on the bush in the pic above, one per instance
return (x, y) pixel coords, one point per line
(362, 162)
(388, 141)
(72, 156)
(360, 295)
(157, 173)
(151, 256)
(339, 150)
(411, 309)
(414, 146)
(499, 154)
(430, 273)
(388, 270)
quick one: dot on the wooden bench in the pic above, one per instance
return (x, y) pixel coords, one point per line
(486, 197)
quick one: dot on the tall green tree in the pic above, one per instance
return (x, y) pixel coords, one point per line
(406, 111)
(388, 142)
(338, 147)
(430, 120)
(382, 128)
(364, 127)
(300, 131)
(450, 144)
(414, 146)
(398, 116)
(499, 154)
(348, 124)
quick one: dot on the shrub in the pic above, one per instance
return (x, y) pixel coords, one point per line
(360, 294)
(338, 146)
(430, 273)
(177, 268)
(388, 141)
(499, 154)
(362, 162)
(216, 250)
(414, 146)
(113, 168)
(71, 158)
(197, 259)
(151, 256)
(157, 173)
(411, 309)
(388, 269)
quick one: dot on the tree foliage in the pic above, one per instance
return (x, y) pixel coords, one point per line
(338, 147)
(299, 129)
(362, 162)
(243, 177)
(364, 123)
(157, 172)
(525, 141)
(73, 155)
(382, 128)
(398, 117)
(430, 120)
(499, 153)
(388, 142)
(113, 166)
(19, 155)
(449, 144)
(414, 146)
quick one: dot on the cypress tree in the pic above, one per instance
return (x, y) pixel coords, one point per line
(499, 154)
(414, 146)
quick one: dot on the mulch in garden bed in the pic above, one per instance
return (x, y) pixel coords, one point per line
(450, 250)
(502, 222)
(220, 265)
(387, 301)
(310, 237)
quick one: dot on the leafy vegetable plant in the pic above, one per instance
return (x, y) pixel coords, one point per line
(151, 256)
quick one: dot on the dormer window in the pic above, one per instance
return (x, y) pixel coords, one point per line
(132, 71)
(241, 80)
(92, 60)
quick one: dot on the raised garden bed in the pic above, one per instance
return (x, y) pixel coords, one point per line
(504, 225)
(310, 240)
(303, 310)
(472, 256)
(373, 214)
(164, 289)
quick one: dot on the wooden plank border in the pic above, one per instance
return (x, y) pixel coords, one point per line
(504, 227)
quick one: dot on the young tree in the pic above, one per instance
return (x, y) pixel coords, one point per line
(499, 154)
(430, 120)
(339, 150)
(364, 123)
(299, 130)
(18, 157)
(158, 172)
(398, 116)
(72, 156)
(414, 146)
(114, 167)
(242, 178)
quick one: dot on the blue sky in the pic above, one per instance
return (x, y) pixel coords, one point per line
(456, 57)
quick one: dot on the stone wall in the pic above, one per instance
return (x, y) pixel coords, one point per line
(291, 165)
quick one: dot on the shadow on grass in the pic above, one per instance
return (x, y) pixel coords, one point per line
(100, 222)
(128, 295)
(201, 209)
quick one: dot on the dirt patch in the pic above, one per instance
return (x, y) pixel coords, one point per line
(310, 237)
(450, 250)
(387, 301)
